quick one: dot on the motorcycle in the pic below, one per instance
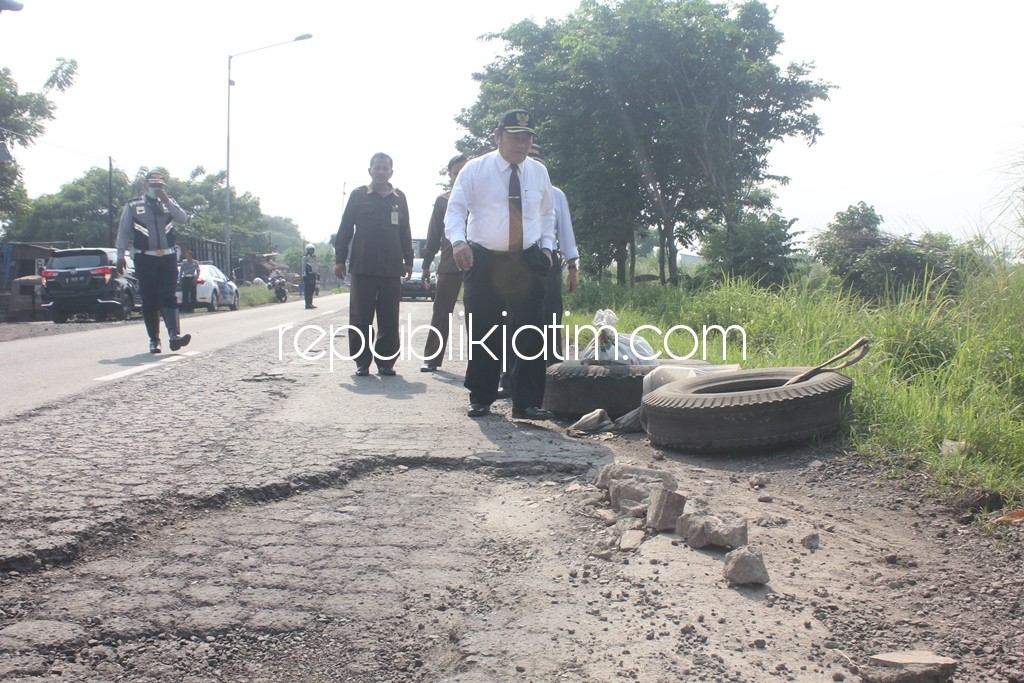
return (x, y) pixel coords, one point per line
(280, 287)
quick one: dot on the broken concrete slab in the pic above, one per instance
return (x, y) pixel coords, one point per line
(628, 489)
(614, 471)
(702, 530)
(665, 508)
(631, 540)
(909, 666)
(745, 566)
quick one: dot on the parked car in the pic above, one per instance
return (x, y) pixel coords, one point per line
(213, 288)
(85, 280)
(413, 288)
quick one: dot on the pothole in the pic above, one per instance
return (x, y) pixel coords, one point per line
(378, 580)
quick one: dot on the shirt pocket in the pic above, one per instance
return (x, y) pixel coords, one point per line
(367, 215)
(531, 202)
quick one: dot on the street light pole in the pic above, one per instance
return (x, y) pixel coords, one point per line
(227, 174)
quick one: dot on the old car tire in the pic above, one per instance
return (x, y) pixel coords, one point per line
(212, 306)
(745, 410)
(234, 303)
(575, 388)
(59, 316)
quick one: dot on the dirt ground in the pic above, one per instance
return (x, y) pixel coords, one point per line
(420, 569)
(9, 331)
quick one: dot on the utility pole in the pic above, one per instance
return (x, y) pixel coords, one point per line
(110, 201)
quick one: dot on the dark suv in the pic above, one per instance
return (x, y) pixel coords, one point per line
(85, 280)
(413, 287)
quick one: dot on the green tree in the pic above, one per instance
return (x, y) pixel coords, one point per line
(80, 212)
(202, 196)
(23, 118)
(282, 234)
(759, 248)
(875, 264)
(657, 111)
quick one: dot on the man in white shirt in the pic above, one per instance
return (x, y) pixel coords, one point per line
(501, 223)
(567, 254)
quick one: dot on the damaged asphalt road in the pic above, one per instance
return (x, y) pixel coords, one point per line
(299, 524)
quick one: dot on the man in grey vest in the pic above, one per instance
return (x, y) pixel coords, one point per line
(148, 223)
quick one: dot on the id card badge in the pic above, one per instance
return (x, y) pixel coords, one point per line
(394, 215)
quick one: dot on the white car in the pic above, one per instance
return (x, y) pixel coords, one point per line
(213, 289)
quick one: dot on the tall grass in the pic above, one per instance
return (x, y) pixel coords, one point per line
(942, 367)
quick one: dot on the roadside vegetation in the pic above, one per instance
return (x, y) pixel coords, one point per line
(944, 366)
(254, 295)
(257, 295)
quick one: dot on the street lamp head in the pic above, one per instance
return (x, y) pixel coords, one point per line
(227, 172)
(304, 36)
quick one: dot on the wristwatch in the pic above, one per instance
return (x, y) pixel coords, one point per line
(572, 266)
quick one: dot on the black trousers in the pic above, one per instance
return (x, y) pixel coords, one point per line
(374, 297)
(554, 350)
(188, 293)
(448, 287)
(308, 288)
(158, 284)
(495, 284)
(553, 305)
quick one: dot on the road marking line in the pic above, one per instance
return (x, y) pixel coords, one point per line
(145, 366)
(284, 327)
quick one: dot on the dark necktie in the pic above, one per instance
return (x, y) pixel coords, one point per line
(515, 213)
(160, 236)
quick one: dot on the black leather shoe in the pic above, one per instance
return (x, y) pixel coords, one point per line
(154, 346)
(362, 371)
(478, 410)
(177, 342)
(309, 307)
(428, 367)
(503, 393)
(532, 413)
(388, 372)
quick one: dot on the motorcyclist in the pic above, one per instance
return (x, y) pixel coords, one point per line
(310, 275)
(278, 284)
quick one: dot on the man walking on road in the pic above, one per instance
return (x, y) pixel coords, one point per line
(501, 223)
(310, 274)
(148, 223)
(449, 278)
(567, 253)
(189, 269)
(376, 226)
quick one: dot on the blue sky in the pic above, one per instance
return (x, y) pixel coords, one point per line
(926, 124)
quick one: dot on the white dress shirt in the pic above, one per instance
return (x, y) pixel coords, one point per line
(563, 227)
(478, 205)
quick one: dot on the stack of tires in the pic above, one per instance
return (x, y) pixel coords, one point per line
(575, 388)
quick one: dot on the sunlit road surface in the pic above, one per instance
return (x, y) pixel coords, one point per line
(40, 371)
